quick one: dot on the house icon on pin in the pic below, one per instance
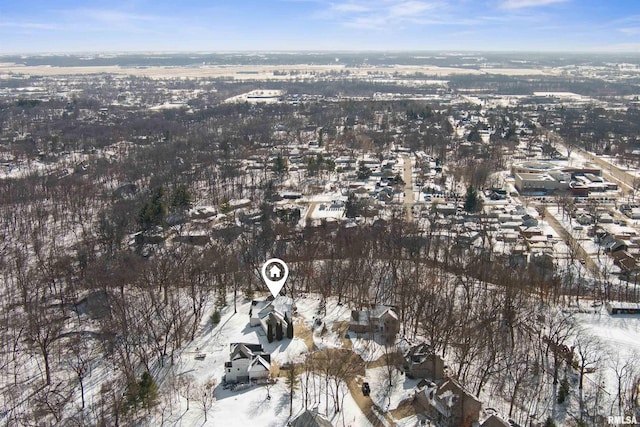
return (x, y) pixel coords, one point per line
(275, 272)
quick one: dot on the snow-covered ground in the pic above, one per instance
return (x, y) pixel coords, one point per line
(389, 398)
(250, 406)
(619, 341)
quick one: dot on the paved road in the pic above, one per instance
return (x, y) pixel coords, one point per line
(366, 405)
(610, 171)
(613, 171)
(564, 234)
(312, 208)
(409, 197)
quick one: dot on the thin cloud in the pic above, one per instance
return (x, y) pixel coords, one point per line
(410, 8)
(111, 17)
(631, 31)
(350, 7)
(520, 4)
(30, 26)
(616, 47)
(381, 14)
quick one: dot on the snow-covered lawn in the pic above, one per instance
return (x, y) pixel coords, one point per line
(619, 339)
(250, 406)
(401, 387)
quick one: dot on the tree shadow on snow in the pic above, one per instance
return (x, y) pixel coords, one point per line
(259, 407)
(210, 326)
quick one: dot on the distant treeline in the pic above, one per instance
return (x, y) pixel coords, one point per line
(520, 85)
(349, 59)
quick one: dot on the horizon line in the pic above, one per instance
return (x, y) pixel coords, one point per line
(311, 51)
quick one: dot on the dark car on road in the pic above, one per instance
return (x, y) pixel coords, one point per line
(366, 390)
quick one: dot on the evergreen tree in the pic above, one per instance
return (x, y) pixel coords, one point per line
(363, 171)
(143, 393)
(472, 203)
(352, 207)
(181, 198)
(279, 331)
(563, 392)
(289, 326)
(269, 332)
(148, 391)
(280, 166)
(215, 318)
(225, 207)
(153, 211)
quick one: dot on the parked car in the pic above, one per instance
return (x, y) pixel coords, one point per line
(366, 390)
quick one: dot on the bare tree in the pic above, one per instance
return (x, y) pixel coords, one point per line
(186, 387)
(589, 354)
(43, 329)
(559, 328)
(81, 355)
(392, 358)
(206, 396)
(623, 368)
(308, 369)
(293, 384)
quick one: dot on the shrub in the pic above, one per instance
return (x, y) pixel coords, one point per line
(215, 318)
(564, 390)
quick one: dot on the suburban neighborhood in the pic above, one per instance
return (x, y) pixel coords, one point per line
(319, 239)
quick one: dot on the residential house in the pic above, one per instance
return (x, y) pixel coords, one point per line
(263, 313)
(529, 221)
(449, 404)
(584, 219)
(422, 362)
(616, 307)
(310, 418)
(627, 263)
(611, 243)
(378, 318)
(495, 421)
(247, 362)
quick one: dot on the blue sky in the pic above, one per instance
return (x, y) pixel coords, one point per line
(223, 25)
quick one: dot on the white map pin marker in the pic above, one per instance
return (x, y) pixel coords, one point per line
(274, 274)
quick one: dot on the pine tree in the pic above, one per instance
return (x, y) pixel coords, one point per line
(280, 166)
(269, 332)
(472, 203)
(148, 391)
(181, 198)
(289, 326)
(352, 207)
(143, 393)
(279, 331)
(153, 212)
(363, 171)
